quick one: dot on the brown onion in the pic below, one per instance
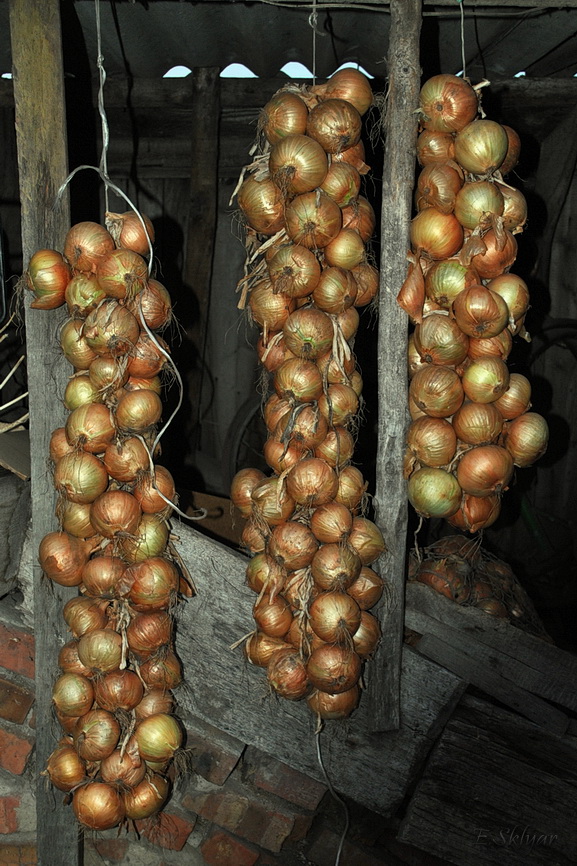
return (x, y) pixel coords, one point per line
(126, 458)
(367, 280)
(308, 332)
(96, 735)
(432, 441)
(331, 523)
(481, 146)
(335, 124)
(513, 150)
(337, 447)
(339, 404)
(516, 399)
(286, 674)
(101, 576)
(351, 488)
(151, 584)
(333, 669)
(336, 291)
(72, 694)
(514, 292)
(346, 250)
(498, 256)
(83, 615)
(148, 357)
(366, 539)
(158, 736)
(98, 806)
(131, 231)
(153, 305)
(476, 202)
(447, 103)
(101, 650)
(65, 769)
(47, 276)
(272, 502)
(264, 572)
(515, 209)
(485, 379)
(435, 147)
(367, 588)
(476, 512)
(90, 427)
(335, 566)
(294, 271)
(62, 558)
(138, 410)
(83, 294)
(122, 273)
(298, 379)
(292, 544)
(435, 235)
(268, 308)
(274, 617)
(437, 186)
(439, 340)
(75, 346)
(153, 489)
(154, 701)
(85, 244)
(262, 204)
(312, 482)
(334, 616)
(526, 438)
(485, 470)
(280, 456)
(111, 329)
(118, 690)
(147, 632)
(437, 390)
(107, 374)
(123, 768)
(446, 279)
(162, 671)
(480, 312)
(349, 84)
(338, 706)
(284, 114)
(477, 423)
(434, 492)
(147, 797)
(498, 346)
(69, 662)
(305, 429)
(116, 512)
(260, 647)
(313, 220)
(297, 164)
(360, 216)
(342, 183)
(367, 636)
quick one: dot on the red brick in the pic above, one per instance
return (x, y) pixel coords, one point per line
(221, 849)
(15, 701)
(166, 830)
(213, 754)
(17, 653)
(277, 778)
(112, 849)
(8, 815)
(18, 855)
(14, 752)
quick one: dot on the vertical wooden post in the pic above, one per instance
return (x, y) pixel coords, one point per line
(42, 164)
(400, 129)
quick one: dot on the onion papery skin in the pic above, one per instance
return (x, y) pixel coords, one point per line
(481, 147)
(107, 374)
(83, 294)
(434, 492)
(339, 404)
(260, 647)
(336, 369)
(313, 220)
(148, 357)
(485, 470)
(514, 292)
(346, 250)
(273, 616)
(158, 736)
(497, 257)
(72, 695)
(111, 329)
(125, 459)
(517, 398)
(85, 244)
(446, 279)
(96, 734)
(335, 566)
(360, 216)
(308, 332)
(434, 148)
(98, 806)
(68, 660)
(476, 201)
(153, 489)
(335, 707)
(162, 671)
(299, 380)
(305, 429)
(476, 512)
(485, 380)
(101, 576)
(367, 636)
(74, 345)
(526, 438)
(47, 277)
(437, 186)
(348, 322)
(122, 273)
(123, 769)
(435, 235)
(128, 231)
(439, 340)
(146, 798)
(342, 183)
(253, 537)
(367, 540)
(243, 483)
(286, 674)
(333, 669)
(137, 411)
(297, 164)
(84, 615)
(268, 308)
(447, 103)
(101, 650)
(336, 291)
(271, 501)
(154, 701)
(515, 209)
(292, 545)
(118, 690)
(265, 572)
(65, 768)
(149, 540)
(312, 482)
(349, 84)
(147, 632)
(153, 304)
(437, 391)
(275, 353)
(137, 383)
(80, 391)
(335, 124)
(479, 312)
(477, 423)
(262, 204)
(90, 427)
(62, 558)
(59, 445)
(432, 441)
(367, 280)
(151, 584)
(331, 523)
(367, 588)
(284, 114)
(294, 271)
(513, 150)
(352, 487)
(498, 346)
(337, 447)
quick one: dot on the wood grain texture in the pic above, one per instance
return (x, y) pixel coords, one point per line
(42, 163)
(227, 692)
(400, 131)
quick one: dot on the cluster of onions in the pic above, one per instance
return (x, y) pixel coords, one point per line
(460, 569)
(113, 697)
(471, 423)
(311, 545)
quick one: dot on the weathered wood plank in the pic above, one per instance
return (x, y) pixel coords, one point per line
(14, 519)
(400, 130)
(550, 680)
(225, 691)
(41, 136)
(508, 789)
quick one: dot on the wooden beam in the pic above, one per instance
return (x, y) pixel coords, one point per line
(400, 130)
(42, 162)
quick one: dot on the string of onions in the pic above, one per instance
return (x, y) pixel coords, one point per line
(307, 533)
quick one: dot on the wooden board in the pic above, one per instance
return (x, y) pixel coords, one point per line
(15, 452)
(374, 770)
(508, 792)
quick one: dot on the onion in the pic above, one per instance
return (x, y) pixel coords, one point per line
(154, 701)
(268, 308)
(354, 156)
(335, 124)
(447, 103)
(435, 235)
(128, 231)
(69, 662)
(446, 279)
(437, 186)
(514, 292)
(273, 616)
(351, 487)
(241, 488)
(125, 459)
(477, 423)
(147, 797)
(74, 345)
(90, 427)
(264, 573)
(107, 374)
(150, 539)
(139, 410)
(65, 769)
(346, 250)
(336, 290)
(349, 84)
(262, 203)
(83, 294)
(47, 276)
(367, 588)
(439, 340)
(334, 616)
(435, 147)
(299, 591)
(434, 492)
(286, 674)
(515, 209)
(98, 806)
(526, 438)
(74, 518)
(100, 649)
(367, 280)
(342, 183)
(339, 404)
(96, 735)
(297, 164)
(83, 615)
(272, 502)
(476, 512)
(308, 332)
(498, 256)
(338, 706)
(513, 150)
(260, 648)
(337, 447)
(85, 244)
(59, 445)
(481, 147)
(294, 271)
(485, 470)
(115, 512)
(153, 304)
(62, 557)
(432, 441)
(437, 391)
(293, 545)
(111, 329)
(80, 391)
(498, 346)
(348, 323)
(476, 202)
(485, 379)
(122, 273)
(162, 671)
(123, 768)
(313, 220)
(253, 537)
(101, 576)
(158, 736)
(360, 216)
(480, 312)
(311, 482)
(275, 353)
(147, 632)
(153, 489)
(284, 114)
(367, 540)
(148, 357)
(367, 636)
(335, 566)
(331, 523)
(118, 690)
(298, 379)
(517, 398)
(72, 694)
(135, 383)
(304, 429)
(333, 669)
(80, 477)
(151, 584)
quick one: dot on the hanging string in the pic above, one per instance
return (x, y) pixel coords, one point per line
(313, 21)
(462, 11)
(333, 793)
(101, 109)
